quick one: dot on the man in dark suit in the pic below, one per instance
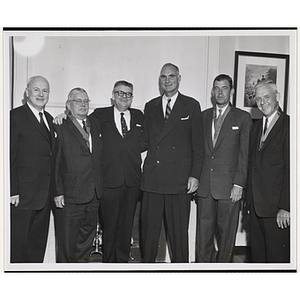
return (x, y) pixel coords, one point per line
(223, 177)
(268, 187)
(172, 134)
(31, 147)
(121, 162)
(78, 180)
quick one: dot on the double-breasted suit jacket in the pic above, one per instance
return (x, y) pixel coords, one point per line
(269, 168)
(31, 158)
(175, 149)
(121, 157)
(78, 172)
(226, 163)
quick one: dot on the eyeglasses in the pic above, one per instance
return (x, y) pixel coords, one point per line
(80, 101)
(123, 94)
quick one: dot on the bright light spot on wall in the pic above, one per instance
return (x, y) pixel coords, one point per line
(28, 45)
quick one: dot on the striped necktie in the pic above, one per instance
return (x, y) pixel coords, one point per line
(168, 110)
(266, 125)
(124, 125)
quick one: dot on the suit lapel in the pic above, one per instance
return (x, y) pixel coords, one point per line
(31, 117)
(175, 116)
(207, 123)
(51, 127)
(158, 116)
(111, 117)
(226, 126)
(273, 132)
(75, 132)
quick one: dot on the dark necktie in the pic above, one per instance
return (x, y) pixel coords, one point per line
(84, 126)
(45, 128)
(168, 110)
(124, 125)
(266, 125)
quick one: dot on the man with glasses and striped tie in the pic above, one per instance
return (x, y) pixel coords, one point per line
(172, 134)
(78, 180)
(121, 161)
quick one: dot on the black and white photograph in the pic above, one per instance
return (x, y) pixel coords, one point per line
(149, 150)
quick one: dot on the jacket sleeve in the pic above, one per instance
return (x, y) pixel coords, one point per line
(58, 184)
(14, 144)
(284, 202)
(197, 141)
(144, 139)
(240, 176)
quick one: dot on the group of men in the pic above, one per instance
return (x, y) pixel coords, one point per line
(88, 170)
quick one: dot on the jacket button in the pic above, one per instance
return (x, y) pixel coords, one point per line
(211, 169)
(212, 157)
(157, 161)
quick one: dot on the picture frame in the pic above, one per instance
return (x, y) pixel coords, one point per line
(252, 67)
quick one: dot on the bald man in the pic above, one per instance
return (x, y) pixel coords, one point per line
(31, 147)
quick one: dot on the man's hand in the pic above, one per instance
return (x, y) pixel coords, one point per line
(193, 185)
(59, 201)
(15, 200)
(283, 218)
(58, 120)
(236, 193)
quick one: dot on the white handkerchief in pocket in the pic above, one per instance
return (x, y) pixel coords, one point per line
(235, 127)
(185, 118)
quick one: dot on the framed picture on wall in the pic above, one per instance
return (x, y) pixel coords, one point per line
(252, 67)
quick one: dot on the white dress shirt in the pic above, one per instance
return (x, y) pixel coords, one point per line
(127, 117)
(36, 113)
(165, 102)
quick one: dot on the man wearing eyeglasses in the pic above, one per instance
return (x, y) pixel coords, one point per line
(78, 180)
(121, 161)
(268, 184)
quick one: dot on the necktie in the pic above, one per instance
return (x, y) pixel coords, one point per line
(168, 110)
(45, 128)
(217, 124)
(266, 125)
(124, 125)
(84, 126)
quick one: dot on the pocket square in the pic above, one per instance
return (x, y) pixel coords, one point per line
(138, 125)
(55, 134)
(185, 118)
(235, 127)
(100, 135)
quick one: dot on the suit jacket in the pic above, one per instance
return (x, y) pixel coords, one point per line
(121, 157)
(31, 158)
(78, 172)
(175, 149)
(269, 168)
(226, 163)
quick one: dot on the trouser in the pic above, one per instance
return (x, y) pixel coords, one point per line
(269, 243)
(175, 211)
(75, 231)
(216, 219)
(117, 210)
(29, 233)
